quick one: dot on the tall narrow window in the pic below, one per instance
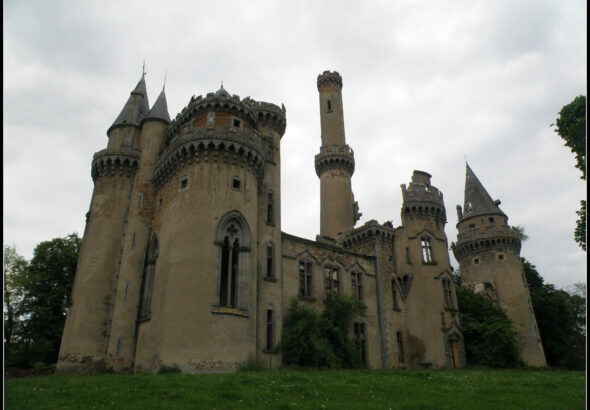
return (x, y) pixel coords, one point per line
(269, 330)
(448, 293)
(270, 218)
(426, 249)
(400, 348)
(329, 105)
(394, 295)
(148, 281)
(233, 240)
(270, 260)
(331, 280)
(139, 201)
(360, 339)
(305, 279)
(357, 285)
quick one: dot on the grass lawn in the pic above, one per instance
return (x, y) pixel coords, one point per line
(314, 389)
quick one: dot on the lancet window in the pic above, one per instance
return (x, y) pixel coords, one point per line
(426, 245)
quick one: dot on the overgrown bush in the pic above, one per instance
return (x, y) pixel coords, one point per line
(252, 364)
(321, 340)
(489, 335)
(169, 369)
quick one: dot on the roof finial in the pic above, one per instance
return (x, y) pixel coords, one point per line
(143, 73)
(165, 74)
(222, 84)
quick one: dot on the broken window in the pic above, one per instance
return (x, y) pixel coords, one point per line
(426, 249)
(331, 280)
(360, 339)
(357, 285)
(305, 279)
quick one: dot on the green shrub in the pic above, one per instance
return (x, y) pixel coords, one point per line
(314, 340)
(252, 364)
(169, 369)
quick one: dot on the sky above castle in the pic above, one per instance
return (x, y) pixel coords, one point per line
(427, 85)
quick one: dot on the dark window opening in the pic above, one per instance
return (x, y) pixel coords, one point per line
(270, 220)
(229, 271)
(491, 219)
(237, 123)
(305, 279)
(476, 261)
(148, 281)
(360, 338)
(329, 105)
(394, 295)
(472, 225)
(331, 280)
(183, 183)
(400, 347)
(237, 183)
(270, 261)
(269, 330)
(501, 257)
(408, 259)
(357, 285)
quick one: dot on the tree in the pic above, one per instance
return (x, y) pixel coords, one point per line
(489, 335)
(44, 287)
(571, 127)
(561, 319)
(13, 270)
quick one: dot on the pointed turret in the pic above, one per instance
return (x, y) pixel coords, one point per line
(477, 199)
(136, 107)
(160, 110)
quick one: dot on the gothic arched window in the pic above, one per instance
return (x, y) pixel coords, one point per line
(426, 245)
(233, 239)
(148, 280)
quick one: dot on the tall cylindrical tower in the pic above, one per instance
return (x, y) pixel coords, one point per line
(488, 252)
(335, 163)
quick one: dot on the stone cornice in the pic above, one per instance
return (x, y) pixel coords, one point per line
(334, 157)
(111, 161)
(238, 147)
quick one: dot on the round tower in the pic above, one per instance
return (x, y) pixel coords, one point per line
(334, 164)
(85, 338)
(207, 181)
(488, 252)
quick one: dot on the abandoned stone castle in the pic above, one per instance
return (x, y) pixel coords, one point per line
(183, 261)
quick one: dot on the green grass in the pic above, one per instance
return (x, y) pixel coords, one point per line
(314, 389)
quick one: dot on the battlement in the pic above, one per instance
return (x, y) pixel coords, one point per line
(270, 112)
(475, 240)
(114, 160)
(329, 77)
(335, 157)
(370, 231)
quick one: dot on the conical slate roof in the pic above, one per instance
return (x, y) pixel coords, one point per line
(160, 109)
(130, 114)
(477, 199)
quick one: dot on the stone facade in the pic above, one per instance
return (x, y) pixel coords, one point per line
(183, 261)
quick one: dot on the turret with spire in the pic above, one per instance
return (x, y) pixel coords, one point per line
(488, 252)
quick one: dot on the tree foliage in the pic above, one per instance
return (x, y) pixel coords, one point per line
(561, 319)
(40, 292)
(571, 127)
(489, 335)
(321, 340)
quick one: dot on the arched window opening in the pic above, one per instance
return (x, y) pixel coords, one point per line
(148, 281)
(270, 323)
(448, 293)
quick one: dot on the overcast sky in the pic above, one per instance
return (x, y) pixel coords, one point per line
(427, 84)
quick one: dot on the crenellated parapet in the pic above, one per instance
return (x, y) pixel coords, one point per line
(221, 143)
(475, 240)
(334, 157)
(423, 199)
(368, 233)
(115, 161)
(329, 77)
(269, 113)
